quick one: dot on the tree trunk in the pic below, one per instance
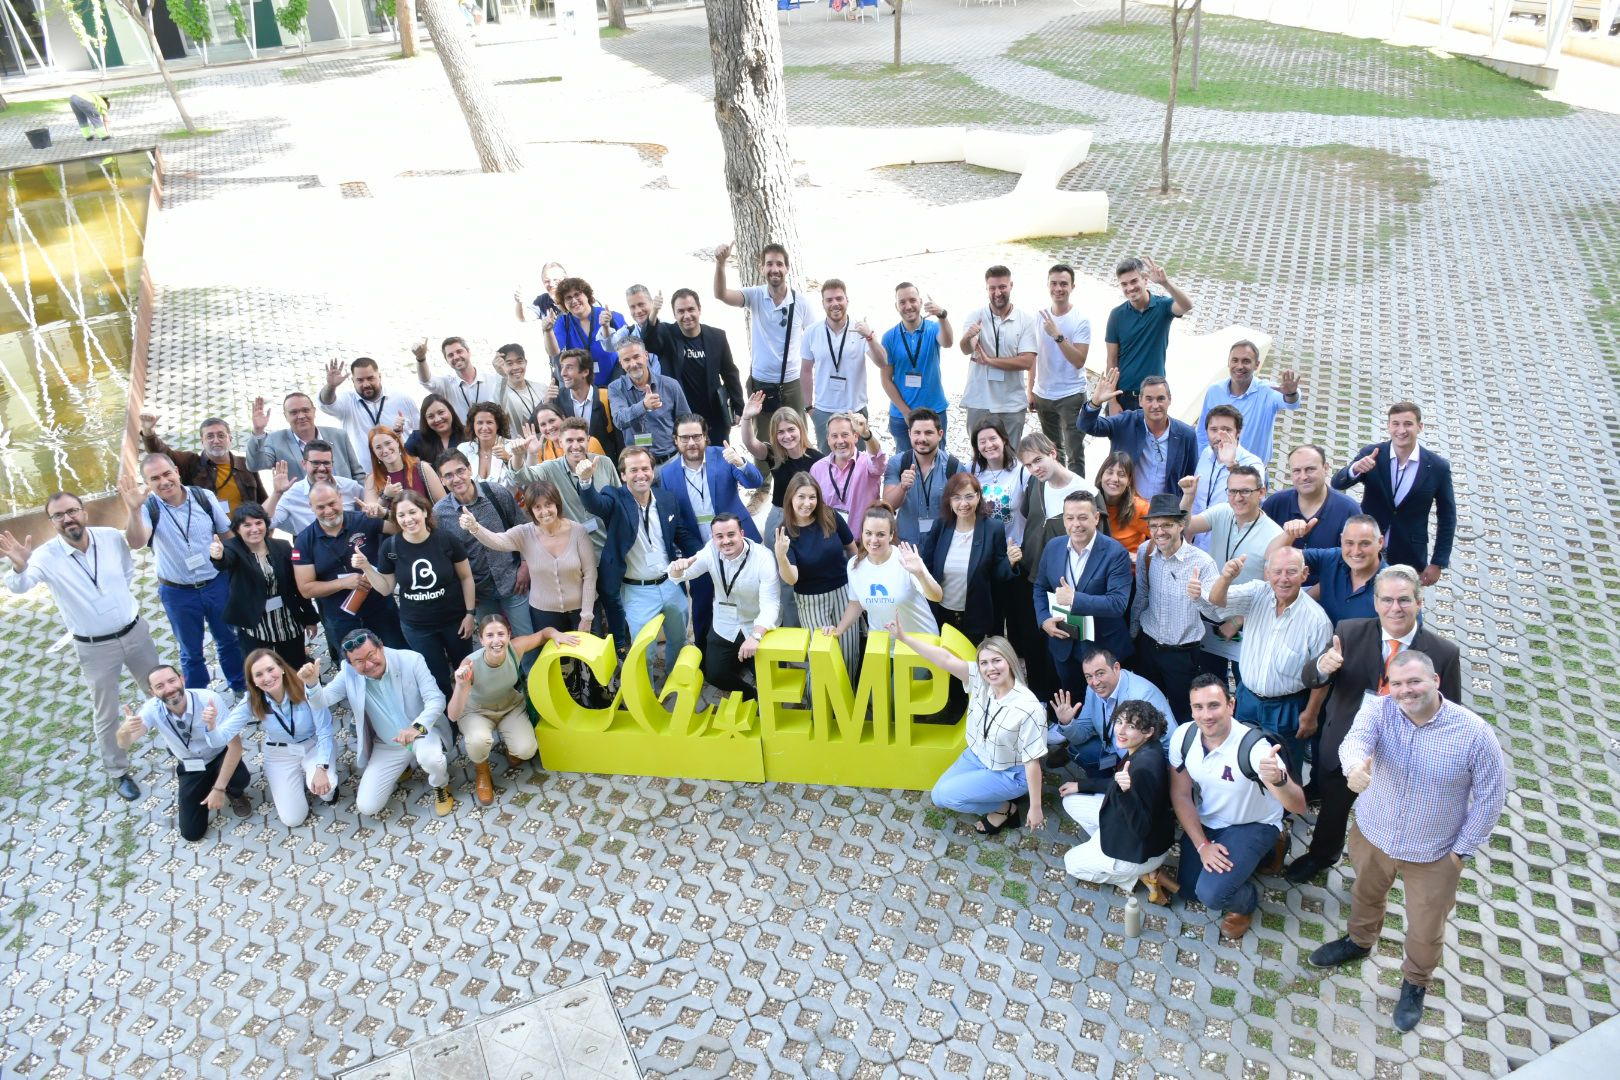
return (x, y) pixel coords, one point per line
(616, 14)
(144, 20)
(1178, 33)
(751, 112)
(405, 16)
(898, 5)
(486, 122)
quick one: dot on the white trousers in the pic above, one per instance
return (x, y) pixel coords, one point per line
(288, 771)
(1087, 861)
(388, 761)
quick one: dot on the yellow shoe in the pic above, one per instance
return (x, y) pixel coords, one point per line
(443, 801)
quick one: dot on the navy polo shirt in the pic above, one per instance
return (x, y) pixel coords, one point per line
(330, 555)
(1142, 337)
(1338, 597)
(1283, 507)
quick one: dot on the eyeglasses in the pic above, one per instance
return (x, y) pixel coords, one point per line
(1396, 601)
(63, 515)
(690, 438)
(1233, 492)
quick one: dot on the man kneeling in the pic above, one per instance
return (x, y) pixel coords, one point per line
(746, 603)
(184, 719)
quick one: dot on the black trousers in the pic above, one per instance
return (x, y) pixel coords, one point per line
(722, 666)
(1171, 670)
(1333, 820)
(292, 650)
(190, 813)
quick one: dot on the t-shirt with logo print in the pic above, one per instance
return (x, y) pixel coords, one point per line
(425, 575)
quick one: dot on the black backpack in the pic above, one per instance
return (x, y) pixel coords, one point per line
(1251, 736)
(152, 509)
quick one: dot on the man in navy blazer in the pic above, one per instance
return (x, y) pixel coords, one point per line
(1097, 570)
(647, 529)
(706, 479)
(1163, 450)
(1399, 484)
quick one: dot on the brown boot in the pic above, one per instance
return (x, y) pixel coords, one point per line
(1156, 893)
(1234, 926)
(1274, 864)
(514, 761)
(483, 784)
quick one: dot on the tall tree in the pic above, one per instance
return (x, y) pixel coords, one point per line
(406, 17)
(751, 111)
(615, 10)
(1181, 15)
(486, 121)
(898, 4)
(143, 19)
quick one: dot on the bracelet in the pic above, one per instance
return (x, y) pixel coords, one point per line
(1205, 844)
(219, 789)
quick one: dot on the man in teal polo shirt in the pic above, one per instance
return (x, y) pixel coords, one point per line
(1139, 329)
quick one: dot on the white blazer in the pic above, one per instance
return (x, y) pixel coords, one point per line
(421, 699)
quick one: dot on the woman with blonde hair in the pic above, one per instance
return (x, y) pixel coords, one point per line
(788, 455)
(300, 753)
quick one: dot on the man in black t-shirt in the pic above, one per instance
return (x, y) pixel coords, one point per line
(321, 565)
(699, 358)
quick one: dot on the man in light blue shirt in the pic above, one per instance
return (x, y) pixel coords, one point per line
(181, 522)
(1258, 402)
(1222, 430)
(207, 774)
(1086, 735)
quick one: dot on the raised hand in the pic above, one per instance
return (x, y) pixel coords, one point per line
(419, 350)
(604, 321)
(1122, 778)
(130, 493)
(1297, 528)
(1271, 767)
(1233, 568)
(755, 406)
(210, 716)
(467, 522)
(280, 478)
(399, 422)
(1107, 388)
(933, 309)
(862, 329)
(261, 416)
(1364, 465)
(722, 252)
(1361, 776)
(549, 320)
(393, 490)
(310, 673)
(1049, 324)
(1226, 452)
(17, 551)
(1015, 554)
(359, 561)
(1195, 587)
(652, 401)
(464, 673)
(148, 423)
(1155, 272)
(910, 560)
(733, 456)
(1288, 382)
(1065, 592)
(1187, 484)
(216, 548)
(1332, 660)
(1064, 707)
(133, 726)
(782, 542)
(503, 451)
(532, 442)
(586, 466)
(336, 373)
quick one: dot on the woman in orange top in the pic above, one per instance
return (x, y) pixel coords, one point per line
(543, 444)
(1127, 511)
(394, 471)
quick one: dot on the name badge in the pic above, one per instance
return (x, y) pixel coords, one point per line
(274, 603)
(839, 379)
(643, 440)
(193, 764)
(705, 519)
(995, 374)
(225, 506)
(730, 605)
(914, 381)
(197, 561)
(590, 526)
(925, 525)
(102, 604)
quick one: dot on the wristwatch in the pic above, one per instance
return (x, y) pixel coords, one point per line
(944, 314)
(421, 728)
(1060, 339)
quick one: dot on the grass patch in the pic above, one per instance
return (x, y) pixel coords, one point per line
(613, 32)
(1249, 66)
(200, 133)
(915, 94)
(43, 107)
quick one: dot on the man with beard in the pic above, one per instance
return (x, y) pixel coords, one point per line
(1000, 341)
(89, 573)
(832, 367)
(645, 405)
(911, 378)
(216, 469)
(745, 595)
(502, 579)
(365, 405)
(207, 776)
(462, 386)
(699, 358)
(322, 564)
(289, 507)
(579, 396)
(266, 449)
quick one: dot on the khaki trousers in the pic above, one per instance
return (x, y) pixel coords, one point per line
(517, 731)
(1431, 893)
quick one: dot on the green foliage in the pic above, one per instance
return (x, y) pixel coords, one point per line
(193, 18)
(292, 15)
(238, 19)
(386, 7)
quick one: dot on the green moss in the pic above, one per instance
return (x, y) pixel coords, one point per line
(822, 94)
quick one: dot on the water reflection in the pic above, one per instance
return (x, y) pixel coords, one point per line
(70, 261)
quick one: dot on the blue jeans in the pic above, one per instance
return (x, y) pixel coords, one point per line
(442, 647)
(643, 603)
(1247, 846)
(516, 610)
(1280, 716)
(188, 610)
(901, 431)
(971, 788)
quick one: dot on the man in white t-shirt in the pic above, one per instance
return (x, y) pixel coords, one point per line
(364, 406)
(1231, 809)
(462, 386)
(1060, 387)
(1000, 344)
(833, 360)
(778, 315)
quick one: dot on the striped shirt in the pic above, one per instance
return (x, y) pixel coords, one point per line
(1436, 788)
(1162, 609)
(1004, 732)
(1275, 647)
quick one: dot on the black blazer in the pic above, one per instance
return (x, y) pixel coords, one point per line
(714, 389)
(1362, 644)
(1408, 524)
(987, 568)
(1139, 824)
(244, 604)
(602, 427)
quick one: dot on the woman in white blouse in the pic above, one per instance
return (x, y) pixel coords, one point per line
(491, 458)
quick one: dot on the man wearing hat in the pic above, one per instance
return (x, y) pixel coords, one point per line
(1165, 618)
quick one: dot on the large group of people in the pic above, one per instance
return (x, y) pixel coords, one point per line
(1199, 652)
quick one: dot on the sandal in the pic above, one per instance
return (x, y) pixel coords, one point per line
(1009, 820)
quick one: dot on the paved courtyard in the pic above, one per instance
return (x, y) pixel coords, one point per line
(1471, 263)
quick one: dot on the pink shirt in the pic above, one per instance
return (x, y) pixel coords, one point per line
(851, 489)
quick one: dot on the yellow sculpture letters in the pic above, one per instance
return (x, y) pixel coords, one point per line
(845, 736)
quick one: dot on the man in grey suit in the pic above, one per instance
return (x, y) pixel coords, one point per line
(1354, 667)
(264, 450)
(398, 715)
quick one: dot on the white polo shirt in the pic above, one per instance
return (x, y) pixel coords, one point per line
(839, 369)
(767, 333)
(1225, 796)
(1000, 389)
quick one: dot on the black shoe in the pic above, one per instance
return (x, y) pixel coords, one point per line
(240, 804)
(128, 789)
(1409, 1010)
(1338, 952)
(1303, 869)
(1057, 756)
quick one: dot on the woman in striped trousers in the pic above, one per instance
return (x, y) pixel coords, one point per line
(813, 547)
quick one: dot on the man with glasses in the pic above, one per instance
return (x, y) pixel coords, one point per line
(266, 449)
(215, 469)
(1352, 667)
(1086, 734)
(89, 573)
(1235, 527)
(398, 715)
(1163, 449)
(289, 507)
(1166, 618)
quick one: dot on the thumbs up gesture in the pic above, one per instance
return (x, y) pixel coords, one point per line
(1271, 768)
(216, 548)
(1234, 567)
(210, 716)
(1361, 776)
(1122, 778)
(1065, 592)
(1195, 587)
(1297, 529)
(1362, 466)
(133, 726)
(1332, 660)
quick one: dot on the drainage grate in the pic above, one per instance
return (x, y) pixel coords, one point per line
(355, 189)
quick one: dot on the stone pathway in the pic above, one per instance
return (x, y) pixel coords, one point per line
(776, 931)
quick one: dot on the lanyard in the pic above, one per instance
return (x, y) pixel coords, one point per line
(174, 725)
(93, 571)
(575, 330)
(787, 337)
(701, 489)
(582, 409)
(528, 403)
(374, 417)
(478, 393)
(926, 484)
(838, 357)
(287, 722)
(730, 584)
(646, 521)
(185, 533)
(1215, 467)
(1231, 545)
(1108, 723)
(989, 720)
(841, 493)
(905, 339)
(995, 332)
(1075, 569)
